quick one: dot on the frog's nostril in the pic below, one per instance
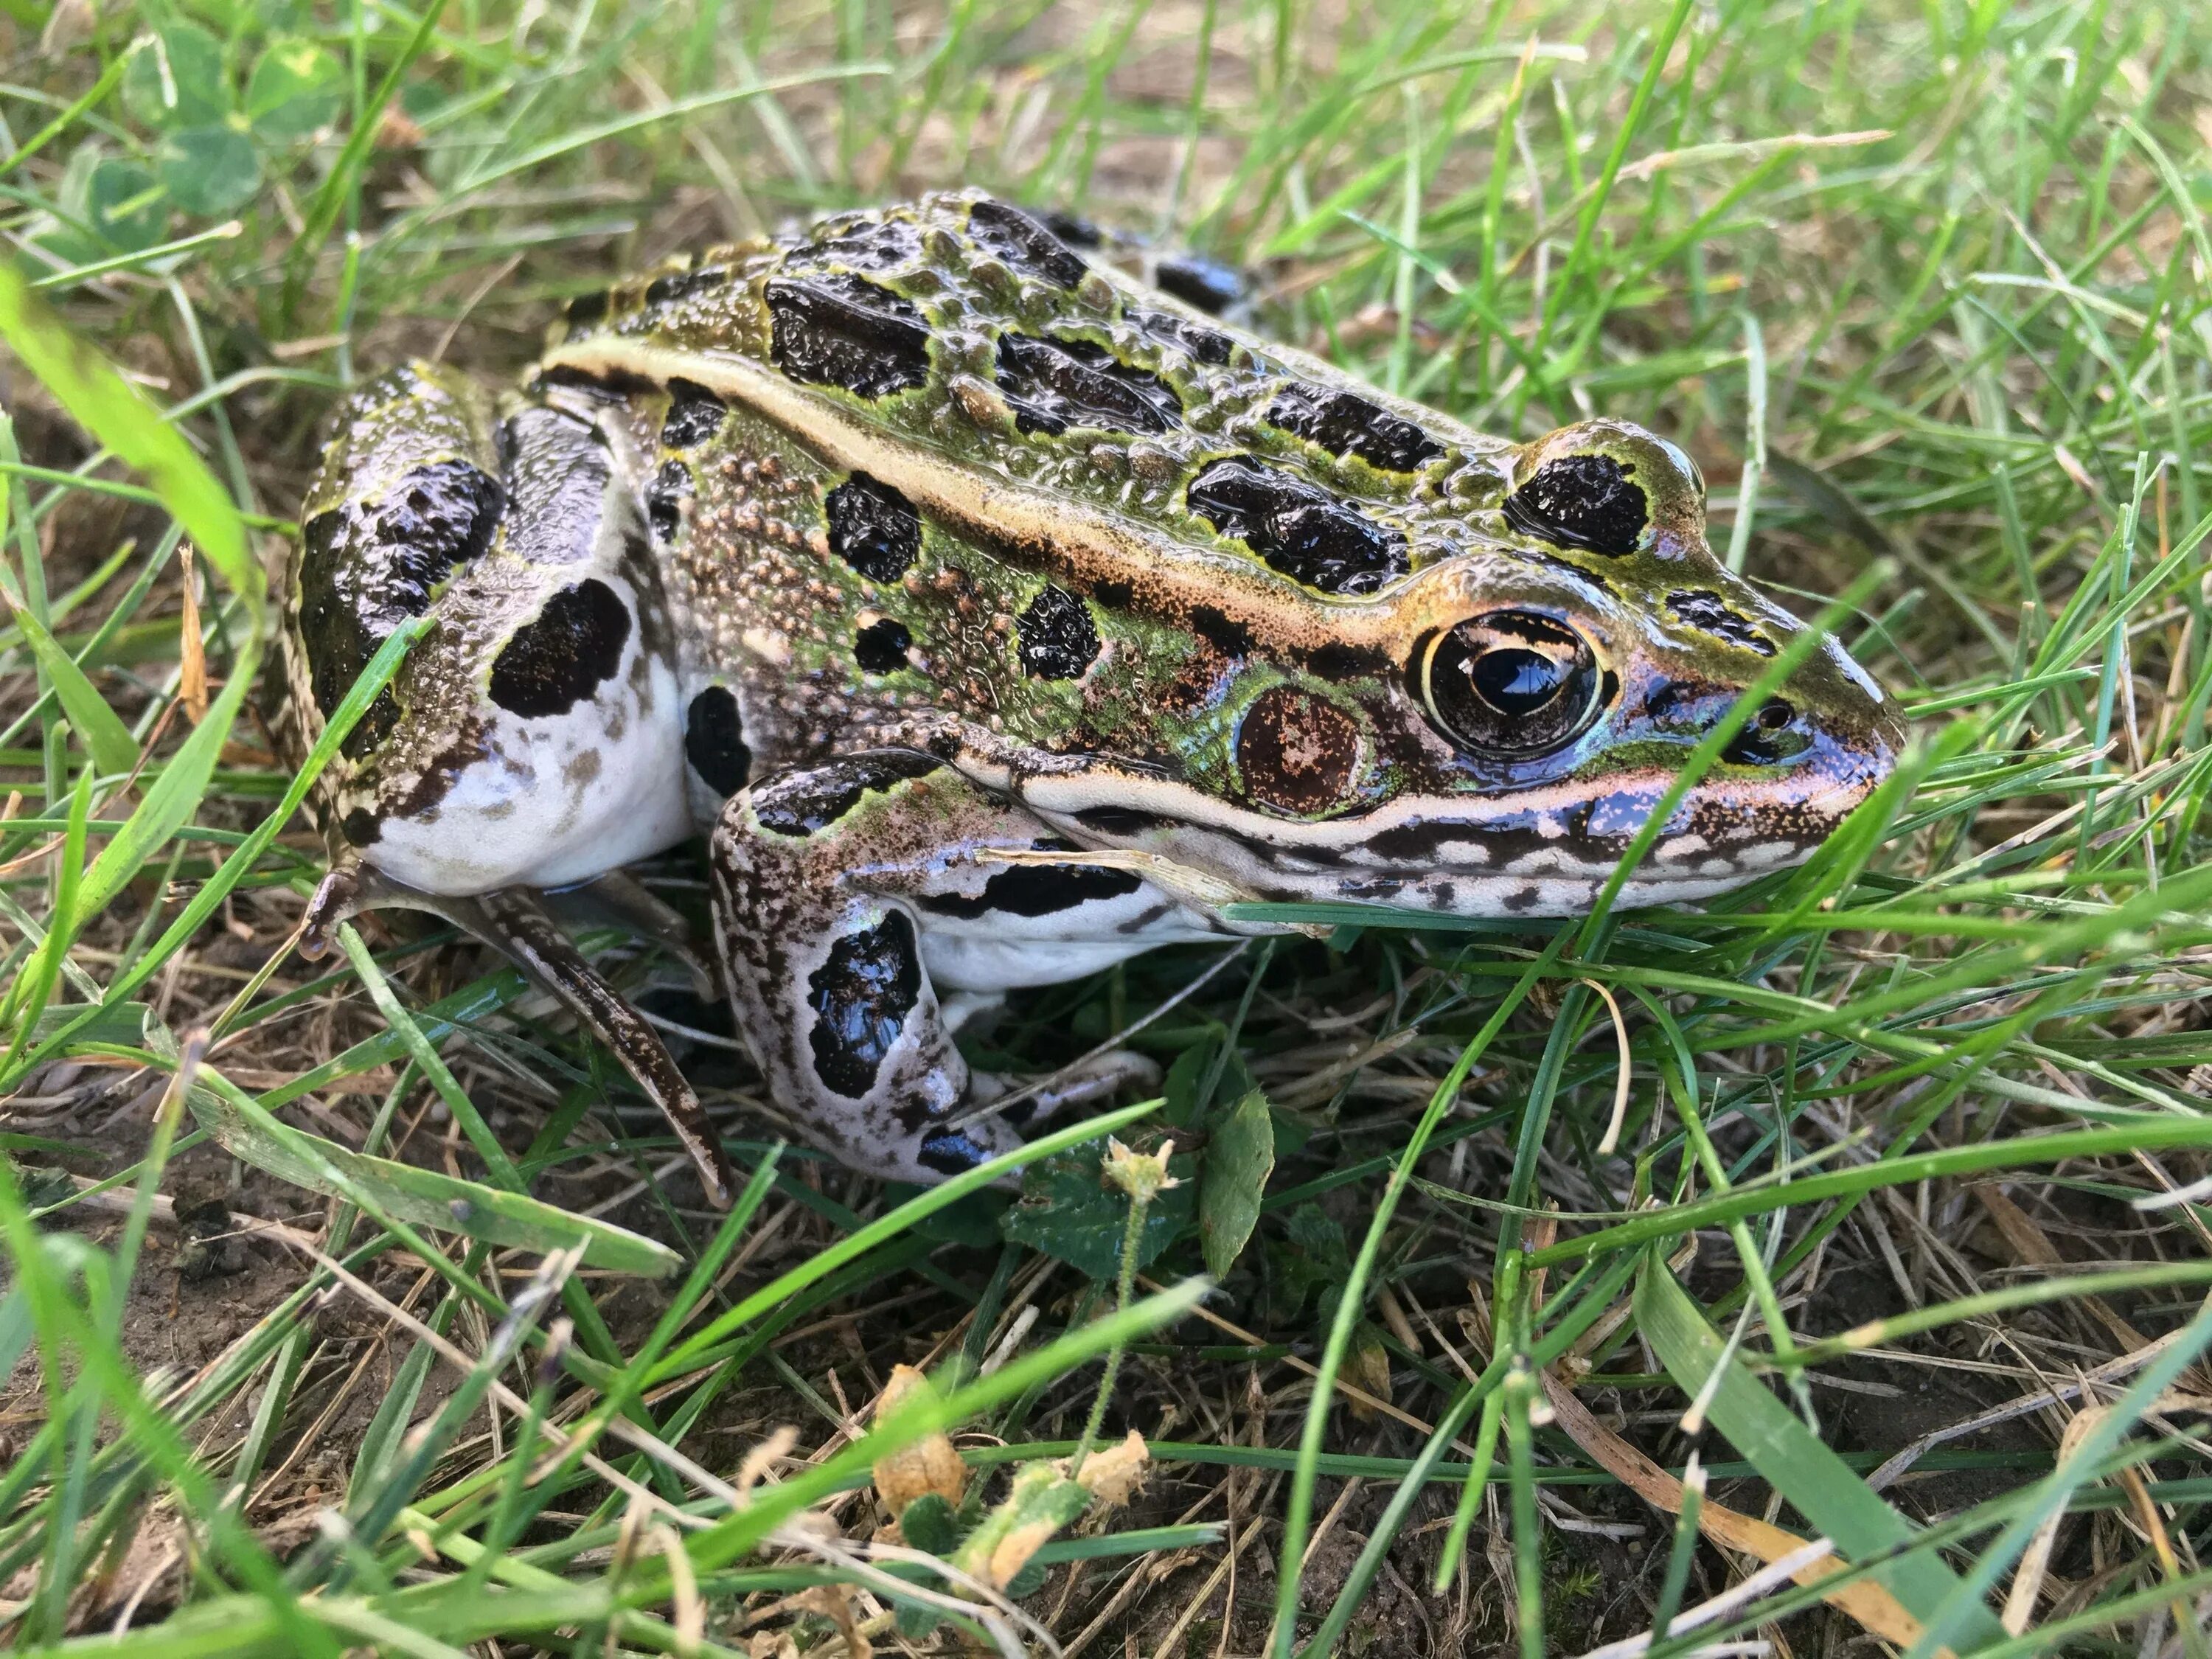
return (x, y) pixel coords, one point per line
(1767, 739)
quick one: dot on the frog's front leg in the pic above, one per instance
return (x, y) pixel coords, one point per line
(858, 909)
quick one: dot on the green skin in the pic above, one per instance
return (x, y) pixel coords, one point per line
(1181, 617)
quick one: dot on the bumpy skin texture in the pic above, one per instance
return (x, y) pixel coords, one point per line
(1114, 574)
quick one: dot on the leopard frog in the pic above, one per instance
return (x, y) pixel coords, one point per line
(997, 615)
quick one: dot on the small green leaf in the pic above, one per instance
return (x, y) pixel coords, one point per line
(123, 202)
(176, 79)
(1238, 1161)
(109, 408)
(926, 1523)
(296, 87)
(1066, 1211)
(106, 739)
(210, 170)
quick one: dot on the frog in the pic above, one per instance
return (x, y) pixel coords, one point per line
(996, 613)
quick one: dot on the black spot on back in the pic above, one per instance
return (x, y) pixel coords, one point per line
(881, 646)
(860, 997)
(1208, 284)
(1114, 593)
(664, 497)
(1581, 500)
(587, 310)
(1055, 384)
(1298, 528)
(695, 414)
(572, 647)
(365, 569)
(872, 527)
(840, 330)
(872, 244)
(1058, 638)
(1221, 631)
(675, 285)
(715, 741)
(1703, 609)
(1344, 423)
(1023, 243)
(1207, 345)
(1035, 890)
(1072, 228)
(805, 799)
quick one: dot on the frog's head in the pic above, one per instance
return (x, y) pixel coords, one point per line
(1488, 733)
(532, 735)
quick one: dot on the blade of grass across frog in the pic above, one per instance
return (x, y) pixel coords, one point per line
(102, 1367)
(401, 1196)
(203, 902)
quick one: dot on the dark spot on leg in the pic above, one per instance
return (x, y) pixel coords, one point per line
(1708, 610)
(366, 568)
(1581, 500)
(359, 827)
(1346, 425)
(951, 1152)
(1297, 753)
(586, 311)
(715, 741)
(844, 330)
(860, 997)
(1058, 639)
(1036, 890)
(1114, 593)
(1297, 527)
(1522, 898)
(807, 799)
(872, 528)
(1024, 244)
(573, 647)
(664, 497)
(881, 646)
(695, 414)
(1053, 385)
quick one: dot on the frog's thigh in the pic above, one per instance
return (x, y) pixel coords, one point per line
(841, 892)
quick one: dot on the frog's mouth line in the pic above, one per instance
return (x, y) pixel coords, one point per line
(1552, 831)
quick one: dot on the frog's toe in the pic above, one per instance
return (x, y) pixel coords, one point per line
(1092, 1081)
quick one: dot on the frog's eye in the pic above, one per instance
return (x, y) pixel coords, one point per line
(1511, 683)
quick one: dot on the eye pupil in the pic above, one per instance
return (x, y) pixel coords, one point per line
(1514, 681)
(1510, 683)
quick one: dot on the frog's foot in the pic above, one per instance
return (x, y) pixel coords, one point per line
(1093, 1081)
(860, 910)
(513, 921)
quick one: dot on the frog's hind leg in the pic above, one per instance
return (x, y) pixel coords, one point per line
(515, 921)
(861, 915)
